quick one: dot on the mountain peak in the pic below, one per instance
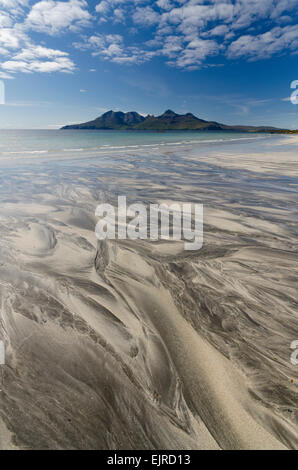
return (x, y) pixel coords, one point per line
(111, 113)
(169, 112)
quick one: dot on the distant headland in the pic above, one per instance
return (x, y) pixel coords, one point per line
(169, 120)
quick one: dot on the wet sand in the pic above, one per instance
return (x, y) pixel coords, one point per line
(138, 344)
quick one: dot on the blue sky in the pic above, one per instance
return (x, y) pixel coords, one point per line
(69, 61)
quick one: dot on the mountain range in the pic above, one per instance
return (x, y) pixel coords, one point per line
(169, 120)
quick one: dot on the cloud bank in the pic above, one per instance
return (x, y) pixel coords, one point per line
(186, 34)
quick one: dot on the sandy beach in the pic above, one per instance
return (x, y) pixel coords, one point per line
(133, 344)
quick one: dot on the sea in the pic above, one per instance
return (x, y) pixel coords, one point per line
(67, 143)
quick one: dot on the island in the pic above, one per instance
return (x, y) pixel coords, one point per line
(169, 120)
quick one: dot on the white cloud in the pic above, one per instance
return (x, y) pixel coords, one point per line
(115, 10)
(265, 45)
(195, 53)
(119, 15)
(12, 38)
(98, 41)
(172, 46)
(20, 53)
(282, 6)
(186, 32)
(14, 7)
(5, 20)
(39, 52)
(146, 16)
(39, 59)
(220, 30)
(60, 64)
(190, 18)
(164, 4)
(111, 47)
(102, 7)
(52, 17)
(13, 3)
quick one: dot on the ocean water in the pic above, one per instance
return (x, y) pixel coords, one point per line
(72, 142)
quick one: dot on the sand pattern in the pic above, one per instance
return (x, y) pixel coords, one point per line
(138, 344)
